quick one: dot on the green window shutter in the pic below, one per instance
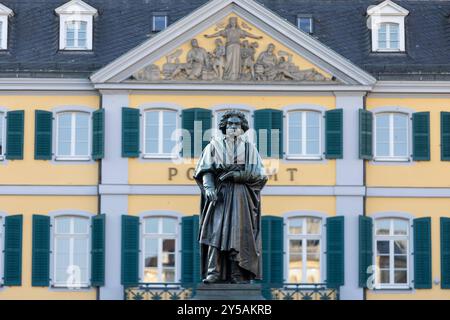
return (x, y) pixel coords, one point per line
(272, 230)
(445, 253)
(13, 251)
(421, 136)
(365, 134)
(445, 136)
(98, 251)
(334, 134)
(365, 249)
(335, 252)
(40, 274)
(190, 250)
(422, 253)
(98, 134)
(270, 120)
(130, 250)
(43, 123)
(130, 132)
(14, 135)
(189, 117)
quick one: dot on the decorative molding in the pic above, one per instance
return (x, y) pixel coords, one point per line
(211, 8)
(45, 84)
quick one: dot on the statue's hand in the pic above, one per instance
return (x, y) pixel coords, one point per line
(211, 194)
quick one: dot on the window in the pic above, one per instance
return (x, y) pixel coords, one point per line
(159, 22)
(76, 25)
(5, 13)
(76, 35)
(391, 136)
(73, 136)
(392, 252)
(71, 251)
(2, 135)
(160, 128)
(387, 24)
(304, 134)
(305, 24)
(160, 249)
(388, 36)
(304, 250)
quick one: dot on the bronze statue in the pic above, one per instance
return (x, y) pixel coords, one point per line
(231, 176)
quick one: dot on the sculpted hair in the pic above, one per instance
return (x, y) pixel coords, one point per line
(233, 113)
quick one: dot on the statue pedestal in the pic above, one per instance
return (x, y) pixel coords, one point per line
(226, 291)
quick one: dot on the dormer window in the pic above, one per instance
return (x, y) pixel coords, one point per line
(305, 23)
(159, 22)
(387, 22)
(5, 13)
(76, 25)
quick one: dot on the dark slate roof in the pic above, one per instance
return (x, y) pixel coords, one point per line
(124, 24)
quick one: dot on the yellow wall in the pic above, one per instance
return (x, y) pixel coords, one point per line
(209, 45)
(30, 171)
(271, 205)
(320, 173)
(418, 207)
(434, 173)
(27, 206)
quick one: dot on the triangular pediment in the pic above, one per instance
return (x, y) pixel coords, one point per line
(246, 43)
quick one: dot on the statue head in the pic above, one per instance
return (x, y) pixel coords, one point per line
(233, 123)
(271, 48)
(194, 43)
(233, 22)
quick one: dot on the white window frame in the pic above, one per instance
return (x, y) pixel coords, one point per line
(54, 249)
(5, 13)
(154, 21)
(387, 12)
(160, 154)
(391, 157)
(291, 156)
(3, 134)
(76, 10)
(322, 241)
(177, 238)
(76, 39)
(391, 238)
(389, 41)
(311, 25)
(73, 130)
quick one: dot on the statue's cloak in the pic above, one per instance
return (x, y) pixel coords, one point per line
(233, 222)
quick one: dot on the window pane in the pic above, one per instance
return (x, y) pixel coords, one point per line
(151, 131)
(81, 133)
(383, 261)
(384, 276)
(401, 227)
(64, 133)
(400, 276)
(400, 247)
(394, 36)
(169, 225)
(295, 268)
(159, 23)
(62, 259)
(382, 247)
(313, 246)
(81, 225)
(296, 225)
(63, 225)
(80, 260)
(304, 24)
(383, 226)
(312, 132)
(400, 134)
(295, 246)
(151, 275)
(151, 253)
(295, 132)
(313, 268)
(400, 262)
(169, 245)
(82, 35)
(295, 261)
(168, 260)
(151, 225)
(169, 121)
(313, 225)
(382, 135)
(168, 275)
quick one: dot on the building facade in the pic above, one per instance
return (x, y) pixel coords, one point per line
(105, 107)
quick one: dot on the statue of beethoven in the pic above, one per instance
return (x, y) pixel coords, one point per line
(231, 176)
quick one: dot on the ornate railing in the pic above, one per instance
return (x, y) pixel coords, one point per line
(178, 291)
(159, 291)
(301, 291)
